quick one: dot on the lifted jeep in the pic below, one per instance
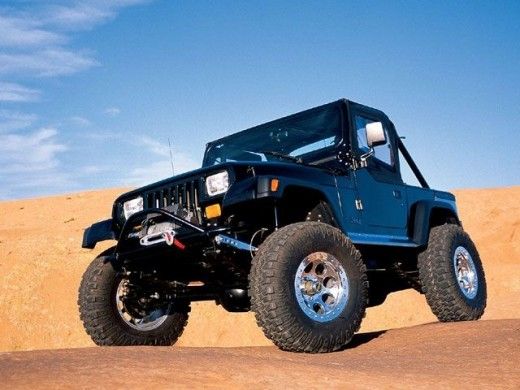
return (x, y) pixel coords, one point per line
(304, 220)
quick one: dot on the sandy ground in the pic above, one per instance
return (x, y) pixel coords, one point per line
(483, 354)
(41, 264)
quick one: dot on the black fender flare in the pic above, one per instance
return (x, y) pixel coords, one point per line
(421, 218)
(99, 231)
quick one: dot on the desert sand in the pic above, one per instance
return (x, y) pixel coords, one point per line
(41, 263)
(476, 355)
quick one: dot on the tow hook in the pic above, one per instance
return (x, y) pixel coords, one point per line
(169, 238)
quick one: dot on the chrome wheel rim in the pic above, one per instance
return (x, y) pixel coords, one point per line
(321, 287)
(151, 321)
(466, 272)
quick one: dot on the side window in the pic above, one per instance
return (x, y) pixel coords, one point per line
(407, 173)
(382, 153)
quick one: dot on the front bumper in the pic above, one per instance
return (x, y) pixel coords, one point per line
(187, 233)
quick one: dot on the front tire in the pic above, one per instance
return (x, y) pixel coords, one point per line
(308, 288)
(452, 276)
(108, 323)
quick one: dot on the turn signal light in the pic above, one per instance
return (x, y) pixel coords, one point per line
(274, 185)
(213, 211)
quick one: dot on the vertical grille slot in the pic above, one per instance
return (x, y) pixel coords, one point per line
(150, 200)
(176, 195)
(185, 194)
(192, 196)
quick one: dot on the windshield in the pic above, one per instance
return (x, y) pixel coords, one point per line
(301, 136)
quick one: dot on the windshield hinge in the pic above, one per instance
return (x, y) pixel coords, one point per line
(348, 160)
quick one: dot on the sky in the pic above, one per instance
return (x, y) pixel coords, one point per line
(91, 91)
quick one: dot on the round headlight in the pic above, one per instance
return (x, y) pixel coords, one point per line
(217, 184)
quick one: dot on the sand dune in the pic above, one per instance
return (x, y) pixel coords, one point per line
(41, 263)
(482, 354)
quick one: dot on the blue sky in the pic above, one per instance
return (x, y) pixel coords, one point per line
(90, 91)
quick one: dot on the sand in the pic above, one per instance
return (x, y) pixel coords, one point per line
(476, 355)
(41, 263)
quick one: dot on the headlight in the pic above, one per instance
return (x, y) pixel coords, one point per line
(132, 206)
(217, 183)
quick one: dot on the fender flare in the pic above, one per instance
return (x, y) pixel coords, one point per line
(100, 231)
(421, 217)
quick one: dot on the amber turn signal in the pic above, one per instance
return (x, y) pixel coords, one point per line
(274, 185)
(213, 211)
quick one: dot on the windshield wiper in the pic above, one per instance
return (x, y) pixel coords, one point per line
(282, 155)
(298, 160)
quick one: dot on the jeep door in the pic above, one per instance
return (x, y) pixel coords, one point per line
(382, 197)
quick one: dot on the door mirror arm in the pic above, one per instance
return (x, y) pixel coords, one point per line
(363, 159)
(353, 162)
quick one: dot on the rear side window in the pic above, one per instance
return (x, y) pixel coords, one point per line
(383, 153)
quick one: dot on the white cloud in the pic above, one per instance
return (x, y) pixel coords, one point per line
(32, 49)
(85, 14)
(153, 146)
(158, 169)
(77, 16)
(112, 111)
(29, 164)
(25, 31)
(14, 120)
(48, 62)
(32, 152)
(37, 40)
(11, 92)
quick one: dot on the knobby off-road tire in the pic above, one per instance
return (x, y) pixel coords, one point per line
(455, 288)
(102, 320)
(276, 292)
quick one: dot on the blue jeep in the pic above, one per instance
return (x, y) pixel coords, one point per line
(304, 220)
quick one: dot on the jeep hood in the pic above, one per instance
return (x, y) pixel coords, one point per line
(240, 169)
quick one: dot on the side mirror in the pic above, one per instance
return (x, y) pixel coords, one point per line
(375, 134)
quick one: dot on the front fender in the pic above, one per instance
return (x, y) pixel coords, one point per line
(422, 215)
(99, 231)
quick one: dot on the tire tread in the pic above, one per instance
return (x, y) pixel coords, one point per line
(271, 315)
(437, 276)
(99, 319)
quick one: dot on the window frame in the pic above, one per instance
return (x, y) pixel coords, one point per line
(379, 169)
(390, 167)
(314, 156)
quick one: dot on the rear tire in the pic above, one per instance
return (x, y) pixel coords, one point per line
(308, 288)
(452, 276)
(98, 308)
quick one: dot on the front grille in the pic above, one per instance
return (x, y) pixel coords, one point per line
(186, 195)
